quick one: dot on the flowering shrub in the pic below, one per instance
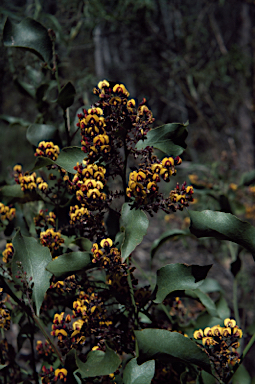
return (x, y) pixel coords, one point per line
(67, 272)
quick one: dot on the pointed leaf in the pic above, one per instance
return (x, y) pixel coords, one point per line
(223, 308)
(34, 258)
(67, 159)
(205, 300)
(3, 366)
(155, 343)
(139, 374)
(224, 226)
(15, 120)
(66, 96)
(178, 277)
(69, 262)
(99, 363)
(40, 132)
(134, 223)
(168, 235)
(241, 376)
(28, 34)
(168, 138)
(247, 178)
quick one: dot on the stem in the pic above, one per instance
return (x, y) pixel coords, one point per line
(132, 297)
(124, 176)
(235, 301)
(163, 307)
(55, 65)
(47, 337)
(31, 339)
(248, 346)
(67, 125)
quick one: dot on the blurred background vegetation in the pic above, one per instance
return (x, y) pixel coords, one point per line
(191, 60)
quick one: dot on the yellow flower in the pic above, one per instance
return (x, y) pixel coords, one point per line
(105, 243)
(103, 84)
(229, 323)
(198, 334)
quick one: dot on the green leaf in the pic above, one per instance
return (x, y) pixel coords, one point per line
(67, 159)
(207, 378)
(139, 374)
(210, 285)
(223, 226)
(66, 96)
(223, 308)
(241, 376)
(69, 262)
(205, 300)
(12, 191)
(99, 363)
(84, 244)
(155, 343)
(15, 120)
(168, 138)
(40, 132)
(34, 258)
(178, 277)
(247, 178)
(134, 223)
(3, 366)
(28, 34)
(168, 235)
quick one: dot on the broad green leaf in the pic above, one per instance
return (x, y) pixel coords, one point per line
(12, 191)
(139, 374)
(178, 277)
(241, 376)
(210, 285)
(3, 366)
(223, 308)
(84, 244)
(67, 159)
(205, 320)
(34, 258)
(207, 378)
(247, 178)
(40, 132)
(154, 343)
(69, 262)
(15, 120)
(168, 138)
(168, 235)
(66, 96)
(134, 223)
(25, 88)
(223, 226)
(205, 300)
(99, 363)
(28, 34)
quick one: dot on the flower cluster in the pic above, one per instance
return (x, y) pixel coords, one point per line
(112, 121)
(28, 181)
(51, 239)
(8, 253)
(105, 253)
(5, 317)
(78, 214)
(88, 184)
(6, 213)
(221, 345)
(143, 185)
(42, 220)
(47, 149)
(180, 197)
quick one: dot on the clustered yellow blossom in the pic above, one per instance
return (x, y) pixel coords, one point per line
(143, 184)
(28, 181)
(78, 214)
(47, 149)
(51, 239)
(6, 213)
(8, 253)
(221, 343)
(105, 253)
(41, 220)
(93, 132)
(5, 317)
(88, 183)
